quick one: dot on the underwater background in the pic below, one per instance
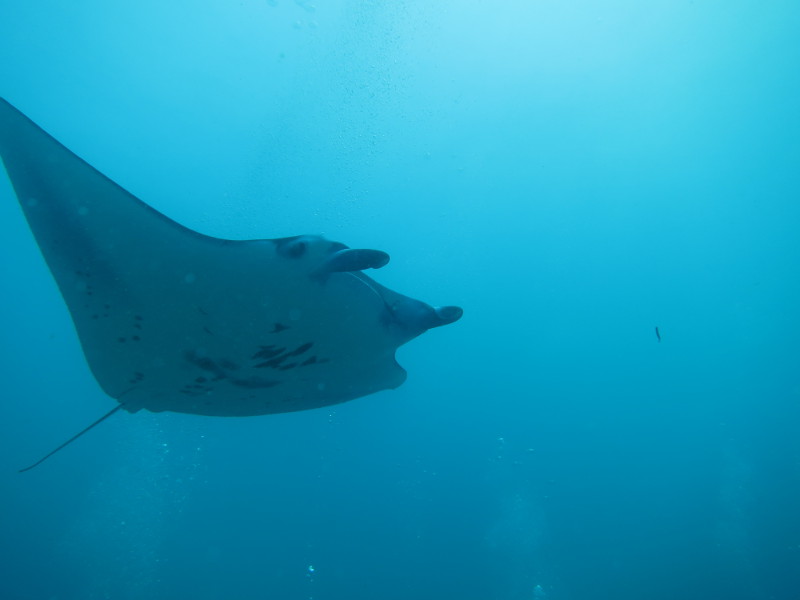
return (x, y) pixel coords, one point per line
(573, 173)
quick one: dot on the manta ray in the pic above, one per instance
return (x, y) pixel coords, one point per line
(170, 319)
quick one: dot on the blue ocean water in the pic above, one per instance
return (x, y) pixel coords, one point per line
(574, 174)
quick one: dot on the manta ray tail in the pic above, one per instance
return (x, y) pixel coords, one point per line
(73, 438)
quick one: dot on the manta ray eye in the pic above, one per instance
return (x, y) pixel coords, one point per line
(294, 249)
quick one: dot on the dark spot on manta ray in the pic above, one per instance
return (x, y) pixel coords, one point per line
(300, 349)
(287, 367)
(254, 287)
(308, 361)
(204, 363)
(268, 352)
(276, 356)
(121, 340)
(201, 379)
(207, 330)
(273, 363)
